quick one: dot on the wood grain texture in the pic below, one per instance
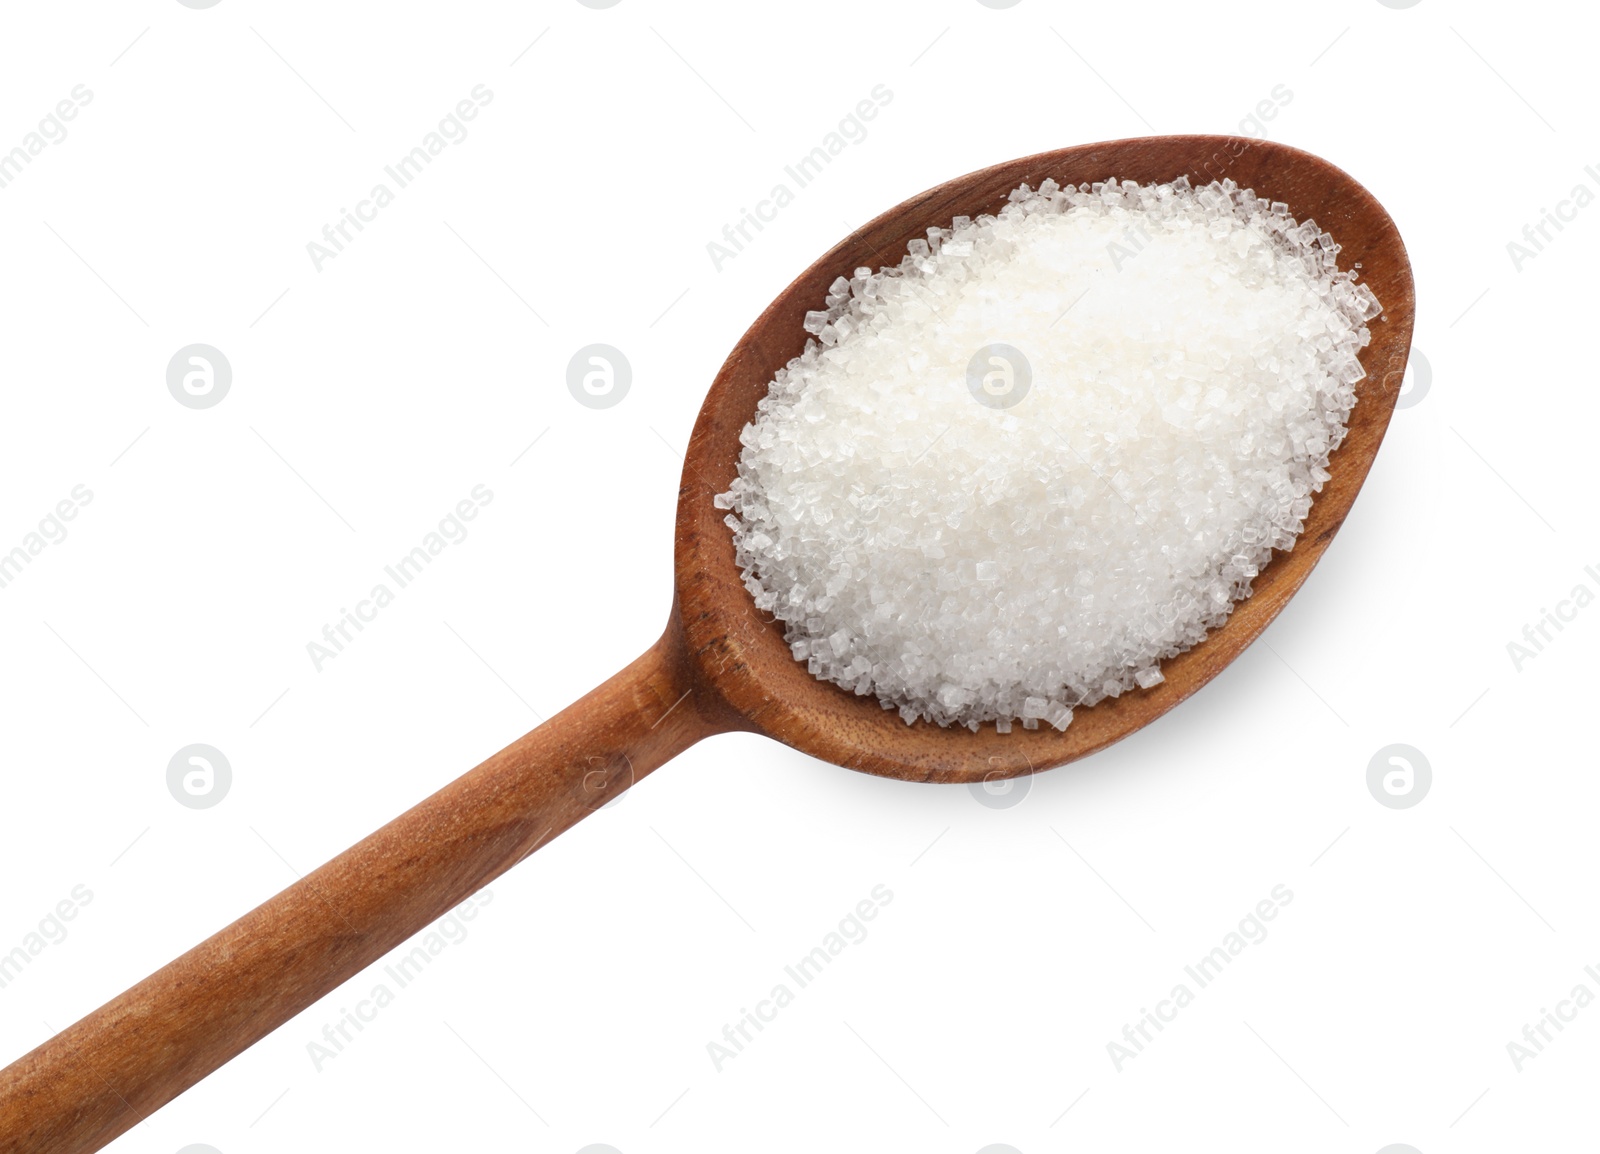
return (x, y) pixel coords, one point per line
(719, 666)
(741, 651)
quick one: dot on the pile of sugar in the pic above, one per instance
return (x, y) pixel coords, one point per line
(973, 539)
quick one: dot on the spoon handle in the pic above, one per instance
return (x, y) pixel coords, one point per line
(101, 1076)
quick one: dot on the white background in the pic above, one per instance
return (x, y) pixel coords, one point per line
(369, 397)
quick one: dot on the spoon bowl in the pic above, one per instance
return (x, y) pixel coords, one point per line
(719, 666)
(740, 652)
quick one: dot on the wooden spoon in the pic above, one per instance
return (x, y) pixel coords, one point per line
(719, 666)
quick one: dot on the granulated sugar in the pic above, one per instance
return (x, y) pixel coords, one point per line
(1050, 449)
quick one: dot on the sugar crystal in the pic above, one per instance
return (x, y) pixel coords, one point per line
(1050, 449)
